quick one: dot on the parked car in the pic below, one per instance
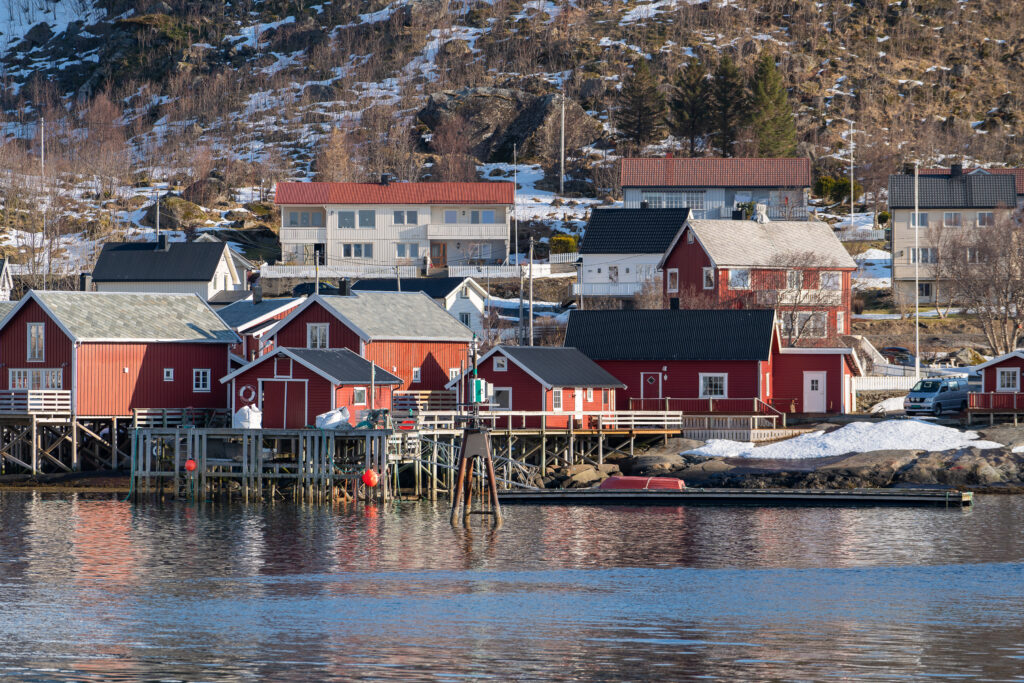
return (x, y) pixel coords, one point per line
(937, 395)
(306, 288)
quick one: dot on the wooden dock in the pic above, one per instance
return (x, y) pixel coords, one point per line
(721, 496)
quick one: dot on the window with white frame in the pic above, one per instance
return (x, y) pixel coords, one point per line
(464, 292)
(556, 399)
(359, 396)
(1007, 379)
(399, 250)
(316, 335)
(973, 255)
(416, 375)
(673, 279)
(795, 279)
(708, 277)
(840, 322)
(502, 398)
(919, 220)
(924, 290)
(201, 380)
(500, 363)
(464, 318)
(952, 219)
(714, 385)
(924, 255)
(398, 218)
(739, 278)
(453, 373)
(831, 279)
(590, 394)
(293, 218)
(986, 219)
(36, 333)
(168, 374)
(487, 216)
(35, 378)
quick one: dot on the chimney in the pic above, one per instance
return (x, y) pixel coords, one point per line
(344, 287)
(85, 282)
(737, 214)
(644, 204)
(956, 170)
(255, 286)
(385, 179)
(161, 243)
(673, 303)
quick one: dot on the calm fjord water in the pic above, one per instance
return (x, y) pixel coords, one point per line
(96, 589)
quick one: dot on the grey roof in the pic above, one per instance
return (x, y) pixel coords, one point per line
(6, 307)
(434, 287)
(666, 334)
(974, 191)
(560, 366)
(144, 262)
(631, 231)
(95, 316)
(239, 314)
(775, 243)
(397, 315)
(343, 366)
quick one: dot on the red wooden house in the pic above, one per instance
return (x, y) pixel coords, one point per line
(405, 333)
(292, 386)
(252, 318)
(544, 379)
(105, 354)
(798, 268)
(711, 361)
(1001, 390)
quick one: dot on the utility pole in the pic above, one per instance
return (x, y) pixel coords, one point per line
(42, 186)
(917, 276)
(561, 145)
(398, 278)
(515, 243)
(531, 290)
(157, 212)
(851, 174)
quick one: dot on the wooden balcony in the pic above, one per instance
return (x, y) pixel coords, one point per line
(707, 406)
(998, 402)
(35, 402)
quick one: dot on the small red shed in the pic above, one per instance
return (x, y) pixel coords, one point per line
(292, 386)
(109, 353)
(711, 361)
(544, 378)
(406, 333)
(1000, 384)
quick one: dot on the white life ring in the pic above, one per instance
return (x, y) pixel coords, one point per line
(247, 393)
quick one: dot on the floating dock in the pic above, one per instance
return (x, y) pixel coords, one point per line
(722, 496)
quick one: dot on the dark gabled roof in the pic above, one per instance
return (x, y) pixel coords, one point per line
(343, 366)
(672, 334)
(239, 314)
(632, 231)
(144, 262)
(559, 366)
(1017, 173)
(434, 287)
(976, 191)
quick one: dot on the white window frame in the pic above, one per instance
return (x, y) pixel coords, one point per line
(451, 216)
(806, 328)
(736, 272)
(453, 373)
(33, 379)
(556, 400)
(352, 215)
(168, 374)
(398, 217)
(494, 395)
(464, 292)
(672, 278)
(417, 374)
(356, 393)
(724, 376)
(488, 213)
(927, 285)
(831, 280)
(840, 322)
(590, 394)
(795, 279)
(313, 330)
(1002, 372)
(988, 221)
(708, 277)
(399, 250)
(915, 220)
(465, 318)
(500, 364)
(30, 356)
(201, 381)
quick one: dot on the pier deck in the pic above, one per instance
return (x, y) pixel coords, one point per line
(720, 496)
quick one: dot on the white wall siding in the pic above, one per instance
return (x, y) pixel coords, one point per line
(203, 289)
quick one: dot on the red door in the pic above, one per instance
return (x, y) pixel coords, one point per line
(283, 404)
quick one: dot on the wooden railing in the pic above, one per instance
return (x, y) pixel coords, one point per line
(22, 401)
(148, 418)
(1008, 401)
(600, 420)
(705, 405)
(419, 401)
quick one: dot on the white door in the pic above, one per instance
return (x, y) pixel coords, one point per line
(814, 392)
(578, 401)
(650, 387)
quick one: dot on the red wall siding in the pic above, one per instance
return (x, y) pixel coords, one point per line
(788, 380)
(343, 399)
(14, 345)
(318, 389)
(682, 378)
(989, 378)
(690, 260)
(433, 358)
(339, 336)
(105, 389)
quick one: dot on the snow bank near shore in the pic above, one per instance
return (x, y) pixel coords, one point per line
(856, 437)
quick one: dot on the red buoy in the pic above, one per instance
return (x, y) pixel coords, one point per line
(190, 465)
(370, 478)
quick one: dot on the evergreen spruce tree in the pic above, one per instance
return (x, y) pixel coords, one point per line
(641, 107)
(729, 102)
(771, 114)
(691, 110)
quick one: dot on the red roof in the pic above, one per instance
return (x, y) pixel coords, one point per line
(1017, 173)
(394, 193)
(672, 172)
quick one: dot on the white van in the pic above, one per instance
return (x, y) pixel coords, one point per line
(937, 395)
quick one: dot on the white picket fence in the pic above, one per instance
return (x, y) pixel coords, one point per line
(539, 270)
(885, 383)
(571, 257)
(861, 235)
(328, 272)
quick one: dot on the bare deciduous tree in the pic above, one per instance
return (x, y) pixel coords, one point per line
(801, 296)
